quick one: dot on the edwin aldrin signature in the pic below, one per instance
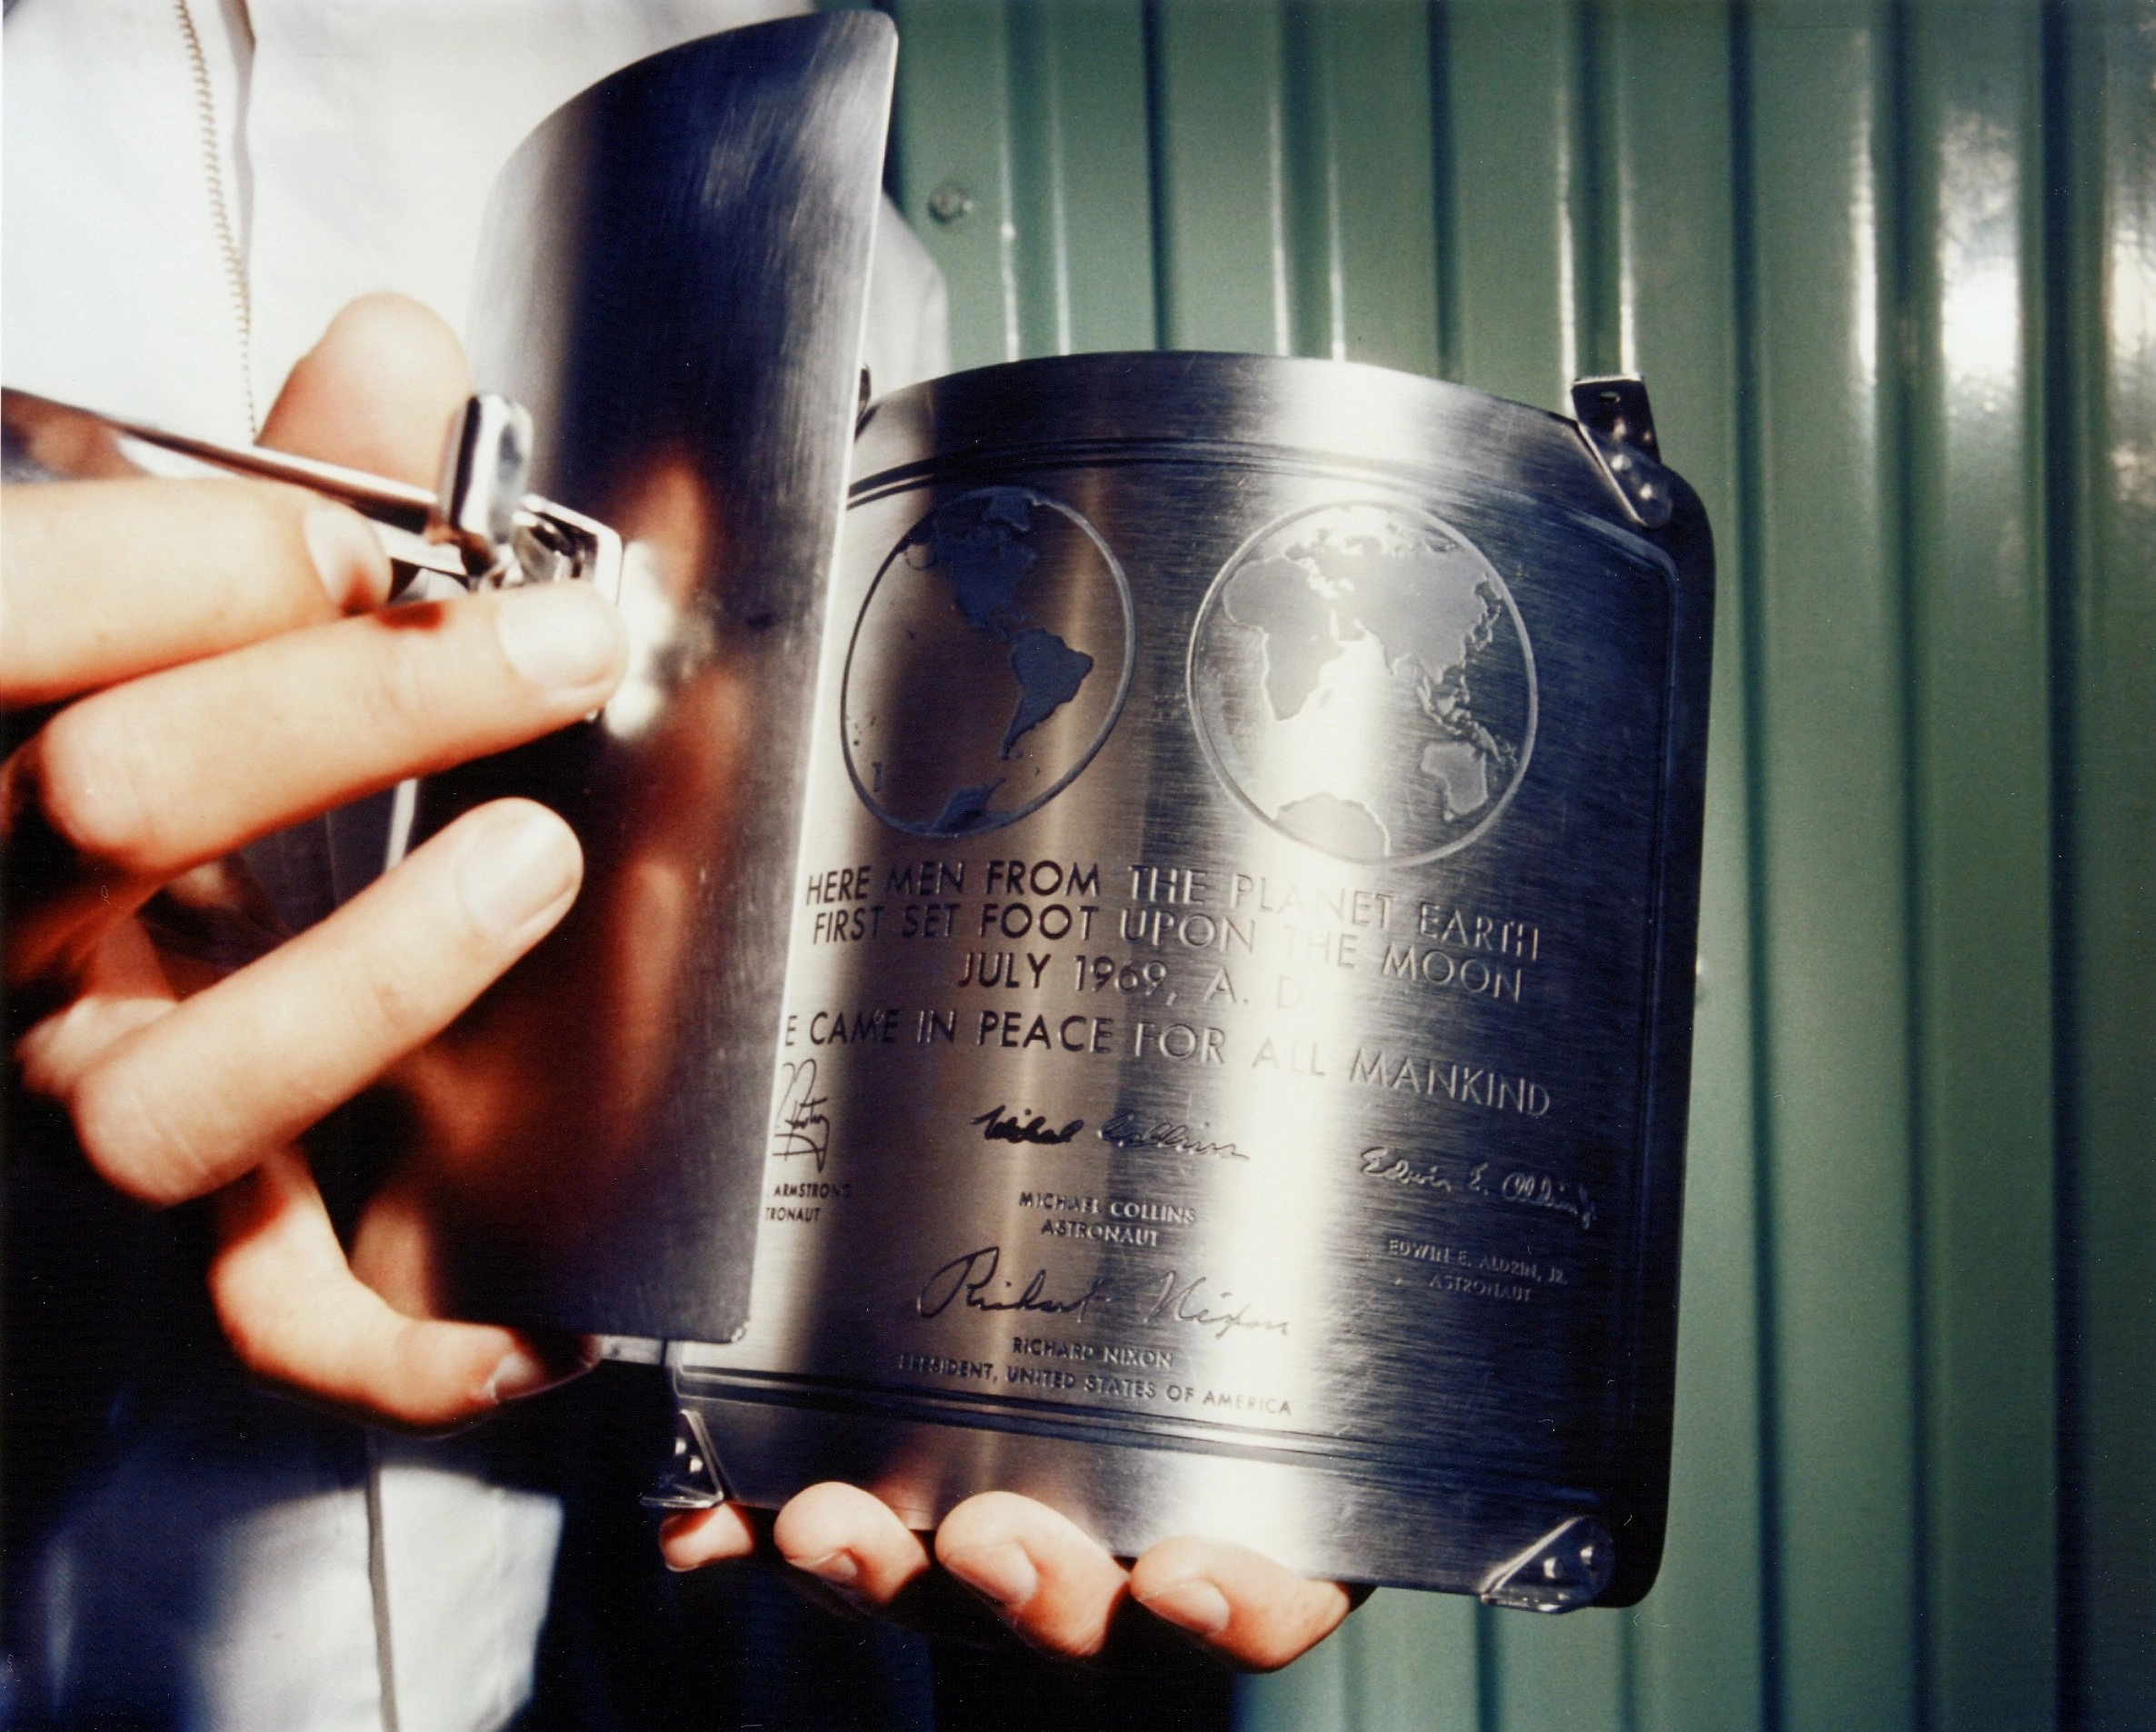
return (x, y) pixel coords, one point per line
(1524, 1186)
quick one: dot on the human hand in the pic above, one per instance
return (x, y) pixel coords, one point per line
(1048, 1582)
(205, 663)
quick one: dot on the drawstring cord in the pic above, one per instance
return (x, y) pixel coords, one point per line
(378, 1585)
(213, 162)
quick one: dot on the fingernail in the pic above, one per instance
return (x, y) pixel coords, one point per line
(1003, 1573)
(1196, 1605)
(347, 556)
(837, 1568)
(559, 634)
(525, 1369)
(695, 1537)
(517, 868)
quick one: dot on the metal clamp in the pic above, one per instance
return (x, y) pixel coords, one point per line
(1618, 430)
(479, 527)
(1566, 1569)
(690, 1479)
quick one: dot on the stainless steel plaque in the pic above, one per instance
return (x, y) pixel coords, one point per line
(1233, 1065)
(673, 280)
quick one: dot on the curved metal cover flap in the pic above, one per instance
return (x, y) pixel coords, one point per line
(674, 279)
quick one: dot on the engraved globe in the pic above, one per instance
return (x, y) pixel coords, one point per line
(988, 665)
(1361, 680)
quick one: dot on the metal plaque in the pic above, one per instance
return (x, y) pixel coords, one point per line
(1233, 1065)
(673, 280)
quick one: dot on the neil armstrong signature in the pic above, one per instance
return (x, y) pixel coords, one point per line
(801, 1127)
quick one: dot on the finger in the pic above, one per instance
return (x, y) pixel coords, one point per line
(123, 988)
(1046, 1579)
(695, 1537)
(168, 772)
(849, 1540)
(198, 1097)
(103, 581)
(297, 1317)
(376, 392)
(1241, 1606)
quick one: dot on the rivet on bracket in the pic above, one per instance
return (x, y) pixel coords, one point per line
(1566, 1569)
(690, 1479)
(1618, 427)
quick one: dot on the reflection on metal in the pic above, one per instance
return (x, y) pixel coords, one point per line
(1231, 1074)
(1564, 1570)
(673, 279)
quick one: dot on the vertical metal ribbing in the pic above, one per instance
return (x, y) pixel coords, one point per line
(1978, 822)
(1166, 286)
(1081, 167)
(1311, 185)
(1832, 762)
(1487, 1680)
(1038, 179)
(1669, 252)
(1219, 203)
(2061, 381)
(1744, 288)
(953, 111)
(1444, 196)
(1362, 184)
(1509, 104)
(1591, 213)
(2106, 273)
(1898, 485)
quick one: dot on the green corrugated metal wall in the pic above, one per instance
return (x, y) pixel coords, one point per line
(1890, 273)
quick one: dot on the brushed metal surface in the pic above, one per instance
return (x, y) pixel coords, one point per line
(1233, 1065)
(672, 281)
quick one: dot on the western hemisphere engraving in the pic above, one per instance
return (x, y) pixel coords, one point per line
(989, 664)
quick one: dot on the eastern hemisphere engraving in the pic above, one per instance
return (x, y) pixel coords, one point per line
(1361, 680)
(988, 665)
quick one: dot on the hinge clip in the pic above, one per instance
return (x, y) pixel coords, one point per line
(1618, 428)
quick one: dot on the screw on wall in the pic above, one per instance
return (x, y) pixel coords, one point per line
(950, 202)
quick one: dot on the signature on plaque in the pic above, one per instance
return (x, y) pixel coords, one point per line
(1380, 1162)
(996, 1127)
(800, 1126)
(1186, 1301)
(1126, 1130)
(968, 1278)
(1536, 1190)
